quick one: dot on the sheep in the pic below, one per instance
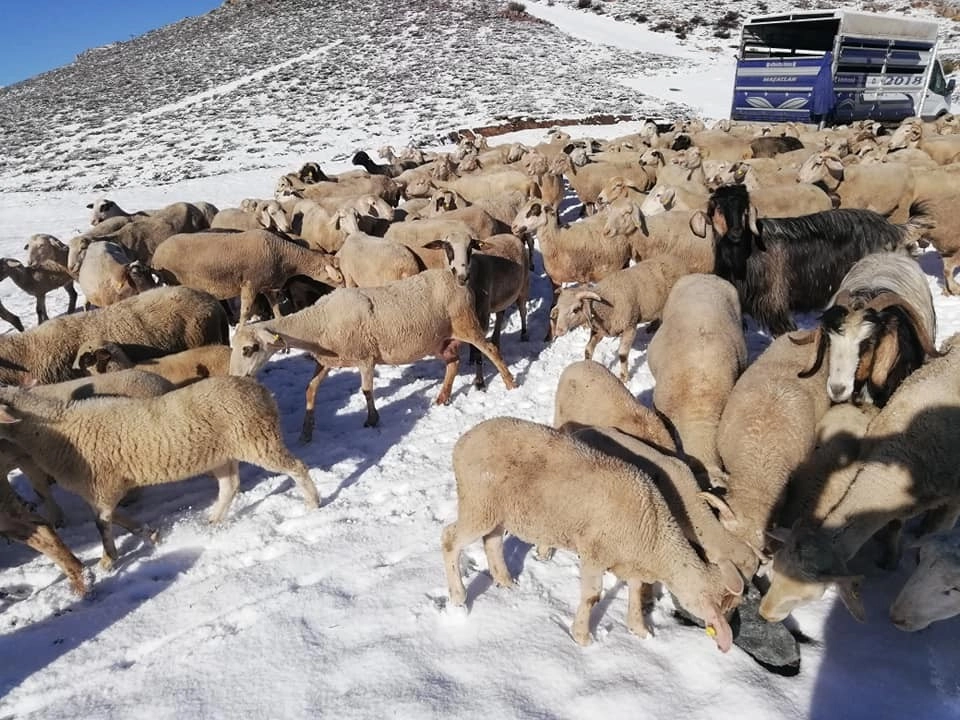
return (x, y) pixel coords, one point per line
(616, 304)
(878, 329)
(944, 149)
(588, 394)
(265, 214)
(366, 261)
(140, 237)
(885, 189)
(244, 264)
(775, 199)
(907, 466)
(931, 592)
(182, 368)
(127, 383)
(669, 233)
(498, 276)
(155, 322)
(581, 252)
(801, 260)
(548, 488)
(590, 179)
(378, 185)
(477, 187)
(180, 216)
(18, 523)
(676, 482)
(38, 280)
(107, 275)
(767, 428)
(101, 448)
(620, 188)
(366, 205)
(664, 198)
(42, 247)
(400, 322)
(416, 233)
(696, 357)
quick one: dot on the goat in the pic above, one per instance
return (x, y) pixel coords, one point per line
(879, 328)
(784, 264)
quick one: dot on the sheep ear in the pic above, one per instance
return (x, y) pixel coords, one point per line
(834, 167)
(779, 534)
(727, 516)
(668, 196)
(5, 417)
(102, 357)
(436, 245)
(591, 296)
(849, 590)
(741, 172)
(11, 263)
(535, 191)
(732, 580)
(698, 223)
(90, 206)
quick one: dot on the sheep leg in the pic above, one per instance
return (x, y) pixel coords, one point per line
(104, 522)
(553, 303)
(891, 545)
(273, 299)
(306, 432)
(44, 540)
(469, 330)
(493, 548)
(41, 309)
(10, 318)
(522, 309)
(591, 345)
(591, 585)
(626, 343)
(639, 595)
(950, 263)
(277, 459)
(366, 385)
(453, 540)
(248, 297)
(72, 297)
(228, 477)
(450, 354)
(133, 527)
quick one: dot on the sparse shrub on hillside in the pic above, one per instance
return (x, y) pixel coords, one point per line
(762, 7)
(695, 21)
(638, 17)
(662, 26)
(516, 7)
(950, 65)
(584, 4)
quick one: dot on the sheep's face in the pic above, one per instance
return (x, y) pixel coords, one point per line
(78, 247)
(933, 591)
(570, 312)
(907, 135)
(531, 217)
(616, 189)
(103, 209)
(659, 200)
(252, 347)
(786, 594)
(459, 248)
(272, 217)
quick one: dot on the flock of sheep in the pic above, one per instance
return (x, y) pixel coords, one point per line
(777, 473)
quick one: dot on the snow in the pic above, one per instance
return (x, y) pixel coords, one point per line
(341, 612)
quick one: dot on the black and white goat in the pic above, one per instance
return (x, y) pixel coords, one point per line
(784, 264)
(879, 328)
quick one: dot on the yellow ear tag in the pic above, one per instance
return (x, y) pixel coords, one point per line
(711, 631)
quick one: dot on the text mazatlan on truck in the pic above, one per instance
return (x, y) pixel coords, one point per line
(835, 66)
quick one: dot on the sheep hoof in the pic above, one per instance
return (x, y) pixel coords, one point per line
(106, 563)
(582, 637)
(374, 420)
(524, 336)
(480, 384)
(544, 554)
(306, 437)
(638, 628)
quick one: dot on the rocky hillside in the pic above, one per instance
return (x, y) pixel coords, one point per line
(244, 85)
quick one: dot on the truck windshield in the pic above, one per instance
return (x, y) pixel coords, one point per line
(938, 83)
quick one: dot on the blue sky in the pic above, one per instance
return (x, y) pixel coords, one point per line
(39, 35)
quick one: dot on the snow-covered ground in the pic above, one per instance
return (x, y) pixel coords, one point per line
(341, 612)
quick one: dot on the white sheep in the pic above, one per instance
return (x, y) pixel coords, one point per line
(932, 592)
(180, 368)
(588, 394)
(547, 488)
(398, 323)
(107, 274)
(243, 264)
(676, 482)
(102, 448)
(38, 280)
(616, 304)
(673, 233)
(695, 357)
(155, 322)
(767, 428)
(264, 214)
(885, 188)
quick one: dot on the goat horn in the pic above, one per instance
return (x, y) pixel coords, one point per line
(821, 339)
(889, 299)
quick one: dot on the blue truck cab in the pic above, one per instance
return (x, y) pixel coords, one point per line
(835, 66)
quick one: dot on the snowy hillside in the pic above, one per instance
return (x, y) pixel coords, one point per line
(341, 612)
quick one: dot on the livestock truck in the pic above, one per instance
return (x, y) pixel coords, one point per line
(835, 66)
